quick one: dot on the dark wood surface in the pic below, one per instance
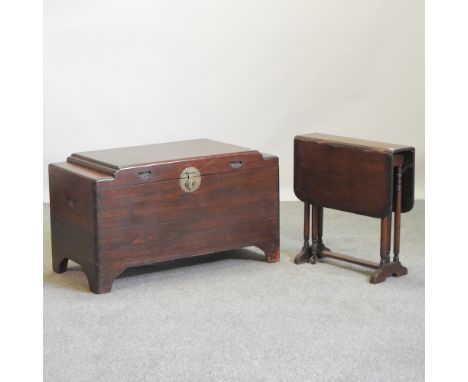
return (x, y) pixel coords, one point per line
(358, 176)
(108, 223)
(73, 218)
(351, 177)
(354, 142)
(235, 159)
(137, 156)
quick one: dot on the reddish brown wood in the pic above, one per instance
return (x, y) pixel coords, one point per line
(310, 253)
(138, 156)
(349, 259)
(315, 249)
(320, 226)
(397, 227)
(306, 223)
(385, 237)
(351, 175)
(110, 221)
(304, 255)
(73, 222)
(394, 268)
(358, 176)
(391, 269)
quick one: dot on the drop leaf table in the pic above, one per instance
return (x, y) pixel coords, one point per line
(363, 177)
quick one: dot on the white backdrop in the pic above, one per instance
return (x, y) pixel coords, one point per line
(248, 72)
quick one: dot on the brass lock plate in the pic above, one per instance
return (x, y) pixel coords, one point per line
(190, 179)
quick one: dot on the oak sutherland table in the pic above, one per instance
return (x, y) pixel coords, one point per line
(358, 176)
(120, 208)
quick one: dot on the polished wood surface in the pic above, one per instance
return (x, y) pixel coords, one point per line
(235, 159)
(358, 176)
(354, 142)
(349, 259)
(351, 178)
(137, 156)
(73, 221)
(108, 223)
(333, 181)
(304, 255)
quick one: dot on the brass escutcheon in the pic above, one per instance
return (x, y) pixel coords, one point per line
(190, 179)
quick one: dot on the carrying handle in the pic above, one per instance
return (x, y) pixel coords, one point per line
(70, 202)
(236, 164)
(144, 175)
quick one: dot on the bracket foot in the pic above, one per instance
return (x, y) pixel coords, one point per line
(391, 269)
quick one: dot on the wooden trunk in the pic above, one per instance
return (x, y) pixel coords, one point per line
(120, 208)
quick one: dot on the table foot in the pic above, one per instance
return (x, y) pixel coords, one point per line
(391, 269)
(303, 256)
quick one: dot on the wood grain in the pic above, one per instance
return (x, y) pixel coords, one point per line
(358, 176)
(108, 220)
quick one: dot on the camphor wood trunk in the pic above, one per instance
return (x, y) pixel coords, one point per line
(120, 208)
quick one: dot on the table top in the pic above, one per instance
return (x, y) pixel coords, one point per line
(352, 175)
(374, 145)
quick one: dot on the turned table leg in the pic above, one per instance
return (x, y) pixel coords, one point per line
(322, 246)
(386, 267)
(396, 228)
(315, 250)
(304, 255)
(382, 271)
(385, 239)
